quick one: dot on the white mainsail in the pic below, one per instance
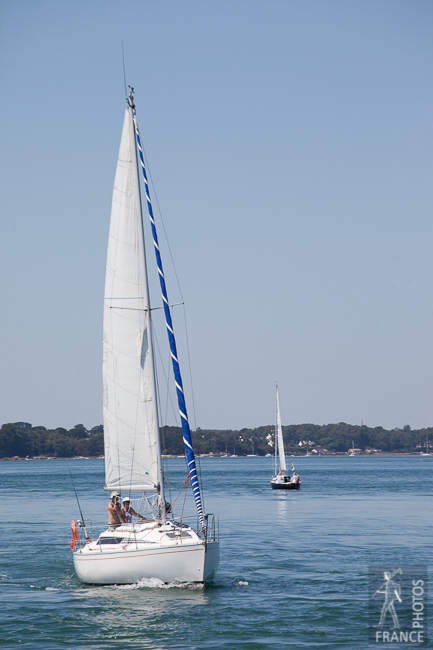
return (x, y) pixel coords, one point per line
(280, 438)
(131, 429)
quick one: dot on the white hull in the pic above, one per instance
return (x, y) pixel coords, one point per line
(167, 559)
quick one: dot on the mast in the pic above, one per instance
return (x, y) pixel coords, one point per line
(170, 332)
(276, 430)
(161, 504)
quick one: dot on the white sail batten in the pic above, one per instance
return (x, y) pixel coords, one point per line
(280, 438)
(130, 422)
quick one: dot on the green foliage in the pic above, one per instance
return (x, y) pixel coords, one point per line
(330, 438)
(171, 441)
(79, 431)
(20, 439)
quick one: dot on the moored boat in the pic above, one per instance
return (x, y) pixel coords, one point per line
(426, 452)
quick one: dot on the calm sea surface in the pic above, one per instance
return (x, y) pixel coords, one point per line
(294, 566)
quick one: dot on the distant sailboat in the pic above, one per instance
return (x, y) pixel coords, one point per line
(160, 546)
(252, 448)
(426, 452)
(352, 452)
(281, 480)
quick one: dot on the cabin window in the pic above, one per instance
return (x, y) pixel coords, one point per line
(110, 540)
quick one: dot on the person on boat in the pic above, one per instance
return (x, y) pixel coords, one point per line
(115, 515)
(295, 478)
(129, 512)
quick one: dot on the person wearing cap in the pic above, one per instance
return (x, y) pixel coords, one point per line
(128, 512)
(115, 515)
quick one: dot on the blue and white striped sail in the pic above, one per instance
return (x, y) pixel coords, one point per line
(171, 337)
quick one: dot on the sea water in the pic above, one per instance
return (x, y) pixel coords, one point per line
(294, 565)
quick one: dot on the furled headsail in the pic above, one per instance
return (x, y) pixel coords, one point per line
(170, 332)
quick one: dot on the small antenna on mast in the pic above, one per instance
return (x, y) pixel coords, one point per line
(124, 72)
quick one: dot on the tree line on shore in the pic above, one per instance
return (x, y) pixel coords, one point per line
(22, 440)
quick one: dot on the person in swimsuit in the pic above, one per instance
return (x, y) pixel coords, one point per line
(115, 516)
(128, 512)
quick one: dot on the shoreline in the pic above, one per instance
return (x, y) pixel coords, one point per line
(329, 455)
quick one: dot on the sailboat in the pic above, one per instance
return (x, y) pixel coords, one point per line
(281, 480)
(426, 452)
(352, 451)
(252, 447)
(156, 545)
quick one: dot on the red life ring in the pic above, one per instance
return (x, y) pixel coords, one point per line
(74, 531)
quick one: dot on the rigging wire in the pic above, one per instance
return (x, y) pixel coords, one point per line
(166, 373)
(200, 477)
(79, 507)
(169, 400)
(176, 416)
(115, 406)
(159, 401)
(162, 220)
(169, 325)
(167, 241)
(191, 384)
(183, 506)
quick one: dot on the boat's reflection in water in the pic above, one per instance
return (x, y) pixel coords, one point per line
(286, 504)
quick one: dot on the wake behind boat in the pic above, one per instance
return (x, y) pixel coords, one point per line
(281, 480)
(161, 546)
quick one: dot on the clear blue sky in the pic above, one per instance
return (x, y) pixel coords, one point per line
(291, 147)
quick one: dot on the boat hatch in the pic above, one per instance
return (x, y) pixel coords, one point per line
(183, 535)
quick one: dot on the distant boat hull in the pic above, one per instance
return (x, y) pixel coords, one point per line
(284, 486)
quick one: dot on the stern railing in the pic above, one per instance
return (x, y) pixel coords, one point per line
(211, 528)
